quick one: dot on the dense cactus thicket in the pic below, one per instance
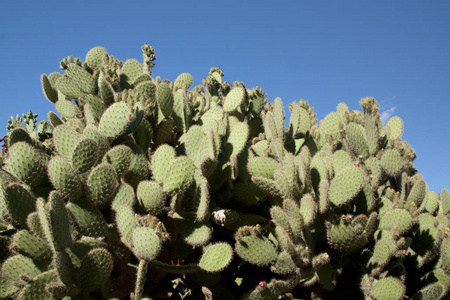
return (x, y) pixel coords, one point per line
(143, 188)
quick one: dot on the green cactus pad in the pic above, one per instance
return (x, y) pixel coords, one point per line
(28, 165)
(143, 135)
(443, 220)
(418, 193)
(65, 140)
(388, 288)
(59, 221)
(326, 276)
(146, 243)
(162, 158)
(138, 169)
(19, 135)
(442, 277)
(125, 224)
(64, 268)
(268, 185)
(396, 126)
(141, 78)
(95, 269)
(196, 145)
(18, 265)
(237, 139)
(329, 127)
(95, 56)
(257, 250)
(52, 77)
(356, 139)
(119, 119)
(194, 233)
(179, 175)
(164, 132)
(69, 88)
(88, 220)
(130, 70)
(37, 288)
(67, 109)
(81, 77)
(20, 202)
(233, 99)
(445, 255)
(346, 185)
(64, 178)
(7, 290)
(54, 119)
(305, 121)
(120, 158)
(381, 253)
(321, 168)
(262, 167)
(270, 127)
(308, 209)
(151, 196)
(124, 195)
(164, 96)
(45, 223)
(279, 117)
(444, 207)
(341, 160)
(180, 112)
(89, 115)
(376, 172)
(276, 287)
(106, 90)
(294, 216)
(97, 104)
(392, 162)
(84, 155)
(203, 202)
(284, 185)
(102, 141)
(345, 237)
(101, 185)
(27, 244)
(49, 92)
(216, 257)
(184, 81)
(431, 292)
(280, 219)
(341, 109)
(396, 219)
(284, 264)
(431, 203)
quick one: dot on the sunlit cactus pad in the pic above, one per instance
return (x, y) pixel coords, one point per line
(138, 187)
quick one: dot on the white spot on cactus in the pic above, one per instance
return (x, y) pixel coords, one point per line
(219, 216)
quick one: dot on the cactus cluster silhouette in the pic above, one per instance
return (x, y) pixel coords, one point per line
(143, 188)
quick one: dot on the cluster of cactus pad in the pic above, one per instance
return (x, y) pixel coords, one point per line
(144, 188)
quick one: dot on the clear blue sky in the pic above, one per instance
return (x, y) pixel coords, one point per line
(324, 52)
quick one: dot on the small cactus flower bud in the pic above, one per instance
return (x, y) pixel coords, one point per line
(265, 110)
(357, 164)
(403, 251)
(262, 284)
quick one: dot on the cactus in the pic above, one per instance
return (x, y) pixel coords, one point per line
(139, 187)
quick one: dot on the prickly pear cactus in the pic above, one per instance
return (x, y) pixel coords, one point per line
(141, 188)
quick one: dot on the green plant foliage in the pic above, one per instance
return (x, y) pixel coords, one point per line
(143, 188)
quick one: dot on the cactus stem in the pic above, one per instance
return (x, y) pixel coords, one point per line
(140, 279)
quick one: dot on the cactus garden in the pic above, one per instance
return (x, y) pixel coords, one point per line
(137, 187)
